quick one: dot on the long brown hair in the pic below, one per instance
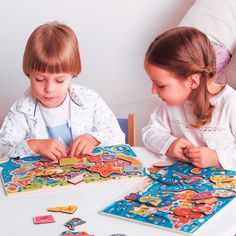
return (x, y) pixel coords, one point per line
(52, 48)
(185, 51)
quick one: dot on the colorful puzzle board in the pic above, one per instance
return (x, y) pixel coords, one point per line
(180, 198)
(39, 173)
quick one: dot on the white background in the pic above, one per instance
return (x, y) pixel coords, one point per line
(113, 38)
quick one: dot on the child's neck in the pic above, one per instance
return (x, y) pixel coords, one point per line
(213, 87)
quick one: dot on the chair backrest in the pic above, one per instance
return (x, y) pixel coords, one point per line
(128, 127)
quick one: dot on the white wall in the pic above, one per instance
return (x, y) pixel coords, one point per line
(113, 37)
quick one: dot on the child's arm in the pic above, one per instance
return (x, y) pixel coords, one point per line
(157, 134)
(227, 153)
(13, 135)
(106, 129)
(223, 152)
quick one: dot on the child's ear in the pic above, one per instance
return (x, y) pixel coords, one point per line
(193, 81)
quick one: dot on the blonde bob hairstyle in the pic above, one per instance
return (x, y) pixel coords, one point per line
(52, 48)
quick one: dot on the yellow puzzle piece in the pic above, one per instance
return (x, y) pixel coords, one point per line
(68, 161)
(65, 209)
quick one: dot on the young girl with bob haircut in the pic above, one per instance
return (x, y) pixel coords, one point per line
(196, 120)
(56, 118)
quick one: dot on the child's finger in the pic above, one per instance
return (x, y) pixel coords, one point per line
(79, 148)
(72, 148)
(57, 153)
(181, 157)
(62, 149)
(196, 164)
(191, 150)
(87, 149)
(187, 143)
(52, 156)
(84, 150)
(90, 149)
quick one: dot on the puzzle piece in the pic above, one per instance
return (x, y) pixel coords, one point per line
(169, 180)
(74, 222)
(117, 235)
(187, 212)
(163, 163)
(143, 210)
(81, 165)
(202, 195)
(96, 158)
(223, 193)
(43, 219)
(153, 201)
(132, 197)
(154, 169)
(69, 233)
(193, 179)
(135, 162)
(44, 172)
(105, 171)
(68, 161)
(207, 200)
(76, 179)
(108, 157)
(124, 157)
(221, 179)
(196, 171)
(133, 170)
(64, 209)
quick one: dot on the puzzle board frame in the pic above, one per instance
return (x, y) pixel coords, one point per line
(19, 175)
(154, 202)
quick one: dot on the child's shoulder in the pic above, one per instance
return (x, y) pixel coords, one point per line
(25, 102)
(229, 92)
(80, 93)
(227, 96)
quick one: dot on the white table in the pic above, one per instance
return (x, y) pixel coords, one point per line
(16, 212)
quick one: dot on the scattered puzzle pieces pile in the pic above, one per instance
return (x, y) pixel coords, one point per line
(35, 173)
(179, 197)
(71, 224)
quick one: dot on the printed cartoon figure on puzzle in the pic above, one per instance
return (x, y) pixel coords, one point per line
(35, 173)
(179, 197)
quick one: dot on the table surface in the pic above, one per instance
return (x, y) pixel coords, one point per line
(17, 212)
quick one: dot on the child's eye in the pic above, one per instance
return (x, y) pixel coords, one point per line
(60, 81)
(38, 80)
(159, 86)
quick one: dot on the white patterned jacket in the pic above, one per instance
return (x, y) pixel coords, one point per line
(88, 114)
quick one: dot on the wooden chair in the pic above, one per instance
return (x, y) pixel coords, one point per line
(127, 125)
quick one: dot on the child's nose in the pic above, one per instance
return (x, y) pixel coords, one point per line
(49, 87)
(154, 89)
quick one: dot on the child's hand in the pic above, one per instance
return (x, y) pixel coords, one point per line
(51, 148)
(82, 145)
(202, 156)
(176, 149)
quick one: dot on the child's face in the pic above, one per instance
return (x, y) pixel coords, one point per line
(49, 89)
(170, 89)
